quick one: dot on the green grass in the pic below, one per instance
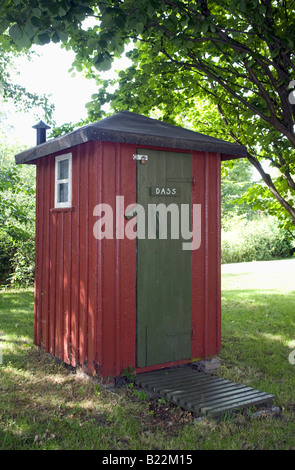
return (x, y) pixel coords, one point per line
(45, 405)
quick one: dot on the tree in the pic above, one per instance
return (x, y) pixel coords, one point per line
(21, 98)
(234, 184)
(17, 216)
(238, 54)
(17, 184)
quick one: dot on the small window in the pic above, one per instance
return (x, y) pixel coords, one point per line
(63, 181)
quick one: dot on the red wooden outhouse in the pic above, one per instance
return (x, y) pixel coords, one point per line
(128, 244)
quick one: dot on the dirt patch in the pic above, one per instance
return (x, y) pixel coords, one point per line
(157, 414)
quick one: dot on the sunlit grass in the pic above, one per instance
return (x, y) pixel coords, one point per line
(262, 276)
(45, 405)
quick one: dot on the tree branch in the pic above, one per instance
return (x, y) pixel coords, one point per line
(286, 173)
(268, 181)
(265, 176)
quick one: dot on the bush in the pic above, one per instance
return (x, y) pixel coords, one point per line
(6, 251)
(17, 228)
(23, 264)
(256, 240)
(17, 260)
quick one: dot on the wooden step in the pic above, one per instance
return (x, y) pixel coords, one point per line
(202, 393)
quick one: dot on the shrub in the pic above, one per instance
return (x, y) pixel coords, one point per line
(17, 228)
(6, 250)
(17, 260)
(256, 240)
(23, 263)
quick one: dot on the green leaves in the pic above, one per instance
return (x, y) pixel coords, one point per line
(139, 27)
(15, 32)
(102, 61)
(36, 21)
(27, 23)
(17, 214)
(275, 53)
(43, 38)
(19, 96)
(237, 54)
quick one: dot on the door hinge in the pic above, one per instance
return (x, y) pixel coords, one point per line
(142, 158)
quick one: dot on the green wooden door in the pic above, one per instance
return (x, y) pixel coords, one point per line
(163, 267)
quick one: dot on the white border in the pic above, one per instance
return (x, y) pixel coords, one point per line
(60, 205)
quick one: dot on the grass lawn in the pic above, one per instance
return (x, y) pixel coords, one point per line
(44, 405)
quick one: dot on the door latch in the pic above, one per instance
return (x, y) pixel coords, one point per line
(142, 158)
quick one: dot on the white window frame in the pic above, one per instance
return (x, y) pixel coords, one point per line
(61, 205)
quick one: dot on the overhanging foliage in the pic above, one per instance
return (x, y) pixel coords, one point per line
(237, 54)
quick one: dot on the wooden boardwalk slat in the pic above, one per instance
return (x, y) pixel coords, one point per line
(191, 391)
(166, 378)
(201, 393)
(176, 386)
(213, 392)
(264, 399)
(165, 372)
(180, 381)
(213, 400)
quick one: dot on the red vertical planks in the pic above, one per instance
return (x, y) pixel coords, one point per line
(213, 160)
(117, 247)
(46, 256)
(37, 254)
(92, 261)
(214, 202)
(206, 257)
(85, 308)
(198, 258)
(99, 262)
(66, 286)
(83, 253)
(218, 253)
(127, 266)
(52, 284)
(211, 247)
(108, 264)
(74, 292)
(58, 284)
(206, 260)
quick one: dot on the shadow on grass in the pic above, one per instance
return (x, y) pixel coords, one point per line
(44, 405)
(258, 334)
(47, 405)
(17, 313)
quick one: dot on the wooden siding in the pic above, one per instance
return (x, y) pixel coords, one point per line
(85, 289)
(206, 295)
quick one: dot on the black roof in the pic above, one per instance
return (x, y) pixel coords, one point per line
(134, 128)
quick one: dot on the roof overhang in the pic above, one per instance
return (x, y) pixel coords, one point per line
(132, 128)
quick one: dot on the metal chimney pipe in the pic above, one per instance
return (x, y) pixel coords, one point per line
(41, 128)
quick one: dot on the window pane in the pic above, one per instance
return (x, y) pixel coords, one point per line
(63, 192)
(63, 170)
